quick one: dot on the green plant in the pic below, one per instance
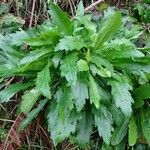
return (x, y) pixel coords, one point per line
(83, 74)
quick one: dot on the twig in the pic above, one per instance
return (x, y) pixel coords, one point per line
(32, 13)
(93, 5)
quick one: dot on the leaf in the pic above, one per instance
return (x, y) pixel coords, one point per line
(132, 136)
(84, 128)
(120, 132)
(31, 115)
(145, 123)
(57, 58)
(34, 55)
(64, 101)
(80, 91)
(46, 38)
(122, 96)
(108, 30)
(82, 65)
(69, 68)
(28, 100)
(99, 62)
(104, 121)
(93, 92)
(61, 129)
(80, 9)
(69, 43)
(9, 92)
(143, 92)
(61, 20)
(43, 81)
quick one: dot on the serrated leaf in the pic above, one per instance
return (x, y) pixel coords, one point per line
(145, 123)
(120, 132)
(28, 100)
(43, 81)
(82, 65)
(93, 92)
(132, 136)
(34, 55)
(64, 101)
(57, 58)
(61, 20)
(61, 129)
(80, 91)
(109, 28)
(84, 128)
(9, 92)
(69, 68)
(31, 115)
(99, 62)
(104, 121)
(122, 96)
(46, 38)
(143, 92)
(69, 43)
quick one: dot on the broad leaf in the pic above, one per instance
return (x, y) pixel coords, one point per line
(93, 91)
(43, 81)
(28, 100)
(80, 91)
(132, 136)
(84, 128)
(142, 93)
(61, 129)
(122, 96)
(9, 92)
(61, 20)
(70, 43)
(31, 115)
(82, 65)
(119, 133)
(69, 68)
(104, 121)
(109, 28)
(47, 38)
(145, 123)
(64, 101)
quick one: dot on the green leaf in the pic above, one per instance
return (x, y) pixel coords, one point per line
(145, 123)
(69, 43)
(142, 93)
(80, 91)
(57, 58)
(31, 115)
(84, 128)
(120, 132)
(80, 9)
(43, 81)
(122, 96)
(46, 38)
(9, 92)
(64, 101)
(69, 68)
(61, 129)
(93, 92)
(132, 136)
(82, 65)
(104, 121)
(109, 28)
(34, 55)
(99, 62)
(61, 20)
(28, 100)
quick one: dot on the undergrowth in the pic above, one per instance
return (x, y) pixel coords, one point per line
(89, 78)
